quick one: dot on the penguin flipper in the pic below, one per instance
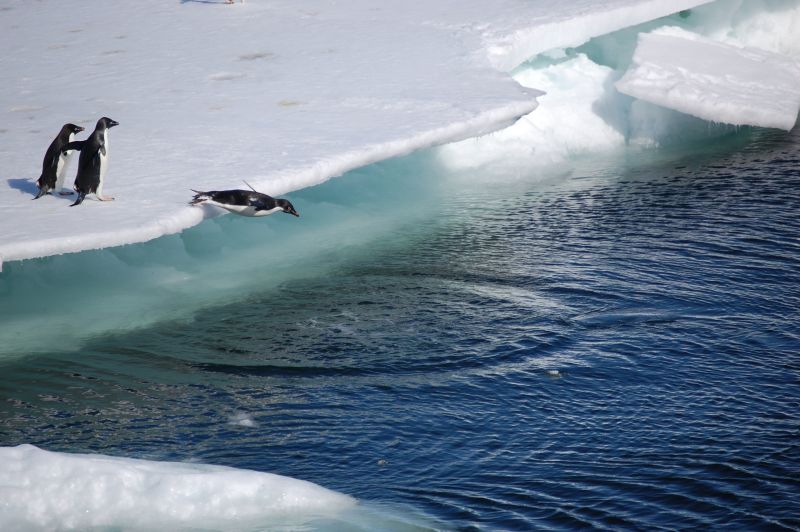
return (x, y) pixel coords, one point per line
(74, 145)
(78, 201)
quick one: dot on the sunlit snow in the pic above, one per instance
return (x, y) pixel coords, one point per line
(281, 94)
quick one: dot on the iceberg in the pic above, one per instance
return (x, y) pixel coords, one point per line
(712, 80)
(281, 95)
(46, 490)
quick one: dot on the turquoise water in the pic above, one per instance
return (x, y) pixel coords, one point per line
(612, 347)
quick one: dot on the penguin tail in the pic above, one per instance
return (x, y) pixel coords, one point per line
(42, 192)
(78, 201)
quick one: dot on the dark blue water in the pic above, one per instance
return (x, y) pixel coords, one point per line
(619, 349)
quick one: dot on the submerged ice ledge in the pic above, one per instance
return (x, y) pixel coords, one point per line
(280, 95)
(45, 490)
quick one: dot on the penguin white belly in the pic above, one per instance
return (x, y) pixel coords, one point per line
(61, 169)
(63, 165)
(103, 165)
(244, 210)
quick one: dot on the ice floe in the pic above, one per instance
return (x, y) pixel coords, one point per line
(719, 82)
(283, 95)
(43, 490)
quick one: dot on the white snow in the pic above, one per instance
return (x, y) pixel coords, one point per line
(719, 82)
(42, 490)
(281, 94)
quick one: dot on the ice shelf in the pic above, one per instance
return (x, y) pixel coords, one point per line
(282, 95)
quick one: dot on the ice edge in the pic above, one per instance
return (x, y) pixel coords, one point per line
(322, 171)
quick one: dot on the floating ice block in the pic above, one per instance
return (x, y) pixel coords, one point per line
(681, 70)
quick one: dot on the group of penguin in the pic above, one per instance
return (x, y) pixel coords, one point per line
(93, 166)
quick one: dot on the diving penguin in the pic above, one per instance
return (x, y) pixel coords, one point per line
(243, 202)
(93, 162)
(56, 161)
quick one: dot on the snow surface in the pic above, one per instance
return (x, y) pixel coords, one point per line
(681, 70)
(280, 94)
(45, 490)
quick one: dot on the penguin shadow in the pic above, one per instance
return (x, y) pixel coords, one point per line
(28, 186)
(23, 185)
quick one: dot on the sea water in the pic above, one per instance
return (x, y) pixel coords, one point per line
(614, 346)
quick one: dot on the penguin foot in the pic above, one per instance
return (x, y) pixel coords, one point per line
(78, 201)
(42, 192)
(66, 193)
(105, 198)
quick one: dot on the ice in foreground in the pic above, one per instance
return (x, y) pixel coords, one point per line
(681, 70)
(47, 490)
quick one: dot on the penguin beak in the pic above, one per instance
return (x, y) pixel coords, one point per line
(294, 213)
(78, 129)
(112, 123)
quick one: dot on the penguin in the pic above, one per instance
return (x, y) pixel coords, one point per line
(56, 161)
(93, 162)
(243, 202)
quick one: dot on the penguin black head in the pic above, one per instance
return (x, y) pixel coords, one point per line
(105, 123)
(72, 128)
(287, 207)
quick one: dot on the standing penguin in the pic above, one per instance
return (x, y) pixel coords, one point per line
(93, 163)
(56, 161)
